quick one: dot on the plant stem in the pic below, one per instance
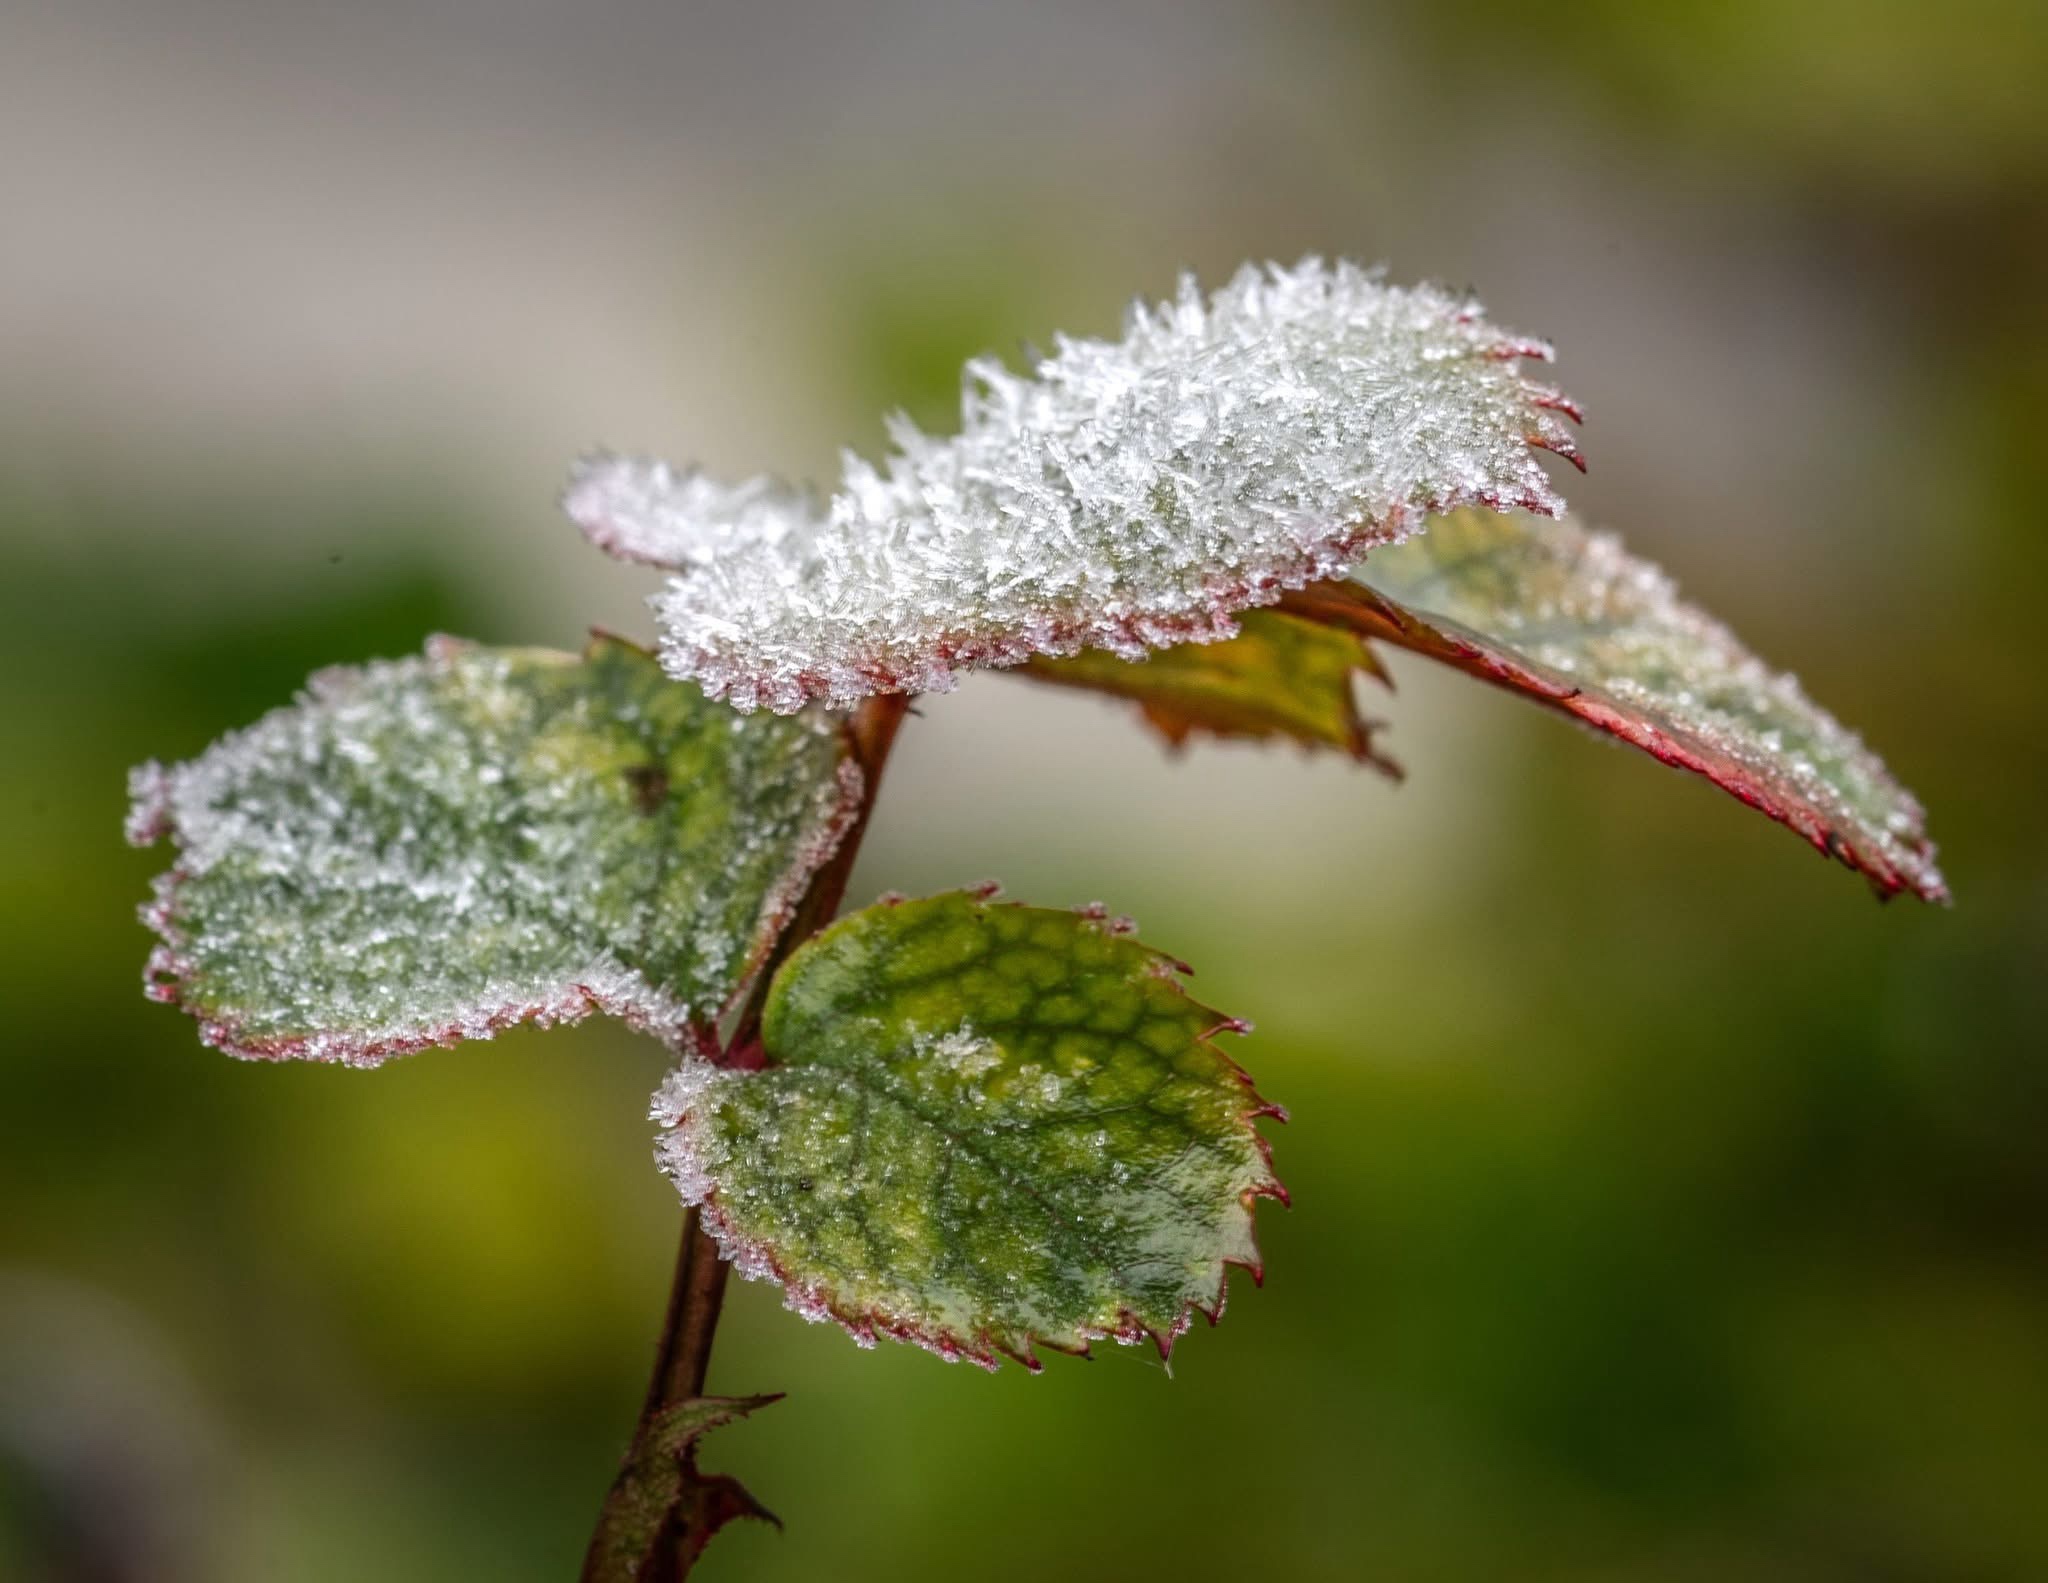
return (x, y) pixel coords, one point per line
(683, 1356)
(694, 1299)
(872, 730)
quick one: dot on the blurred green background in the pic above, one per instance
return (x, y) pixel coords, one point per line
(1665, 1208)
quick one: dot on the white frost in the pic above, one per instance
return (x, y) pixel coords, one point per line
(686, 1151)
(1124, 495)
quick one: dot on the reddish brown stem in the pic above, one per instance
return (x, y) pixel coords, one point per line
(683, 1357)
(694, 1299)
(872, 731)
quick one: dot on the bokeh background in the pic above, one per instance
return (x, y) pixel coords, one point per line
(1665, 1208)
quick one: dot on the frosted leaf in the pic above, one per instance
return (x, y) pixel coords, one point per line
(1279, 677)
(432, 849)
(992, 1126)
(1123, 495)
(1570, 618)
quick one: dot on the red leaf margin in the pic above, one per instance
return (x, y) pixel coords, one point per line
(1363, 610)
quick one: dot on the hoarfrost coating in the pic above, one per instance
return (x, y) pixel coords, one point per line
(1126, 494)
(1567, 615)
(425, 850)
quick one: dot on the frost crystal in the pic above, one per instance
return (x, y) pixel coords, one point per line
(1570, 617)
(1124, 495)
(433, 849)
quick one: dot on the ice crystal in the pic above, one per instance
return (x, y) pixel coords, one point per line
(1124, 494)
(437, 848)
(1569, 616)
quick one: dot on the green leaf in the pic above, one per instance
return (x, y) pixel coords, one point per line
(1569, 618)
(994, 1125)
(1280, 677)
(662, 1511)
(437, 848)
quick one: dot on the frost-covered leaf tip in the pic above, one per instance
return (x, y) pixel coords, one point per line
(1568, 617)
(1123, 495)
(991, 1126)
(432, 849)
